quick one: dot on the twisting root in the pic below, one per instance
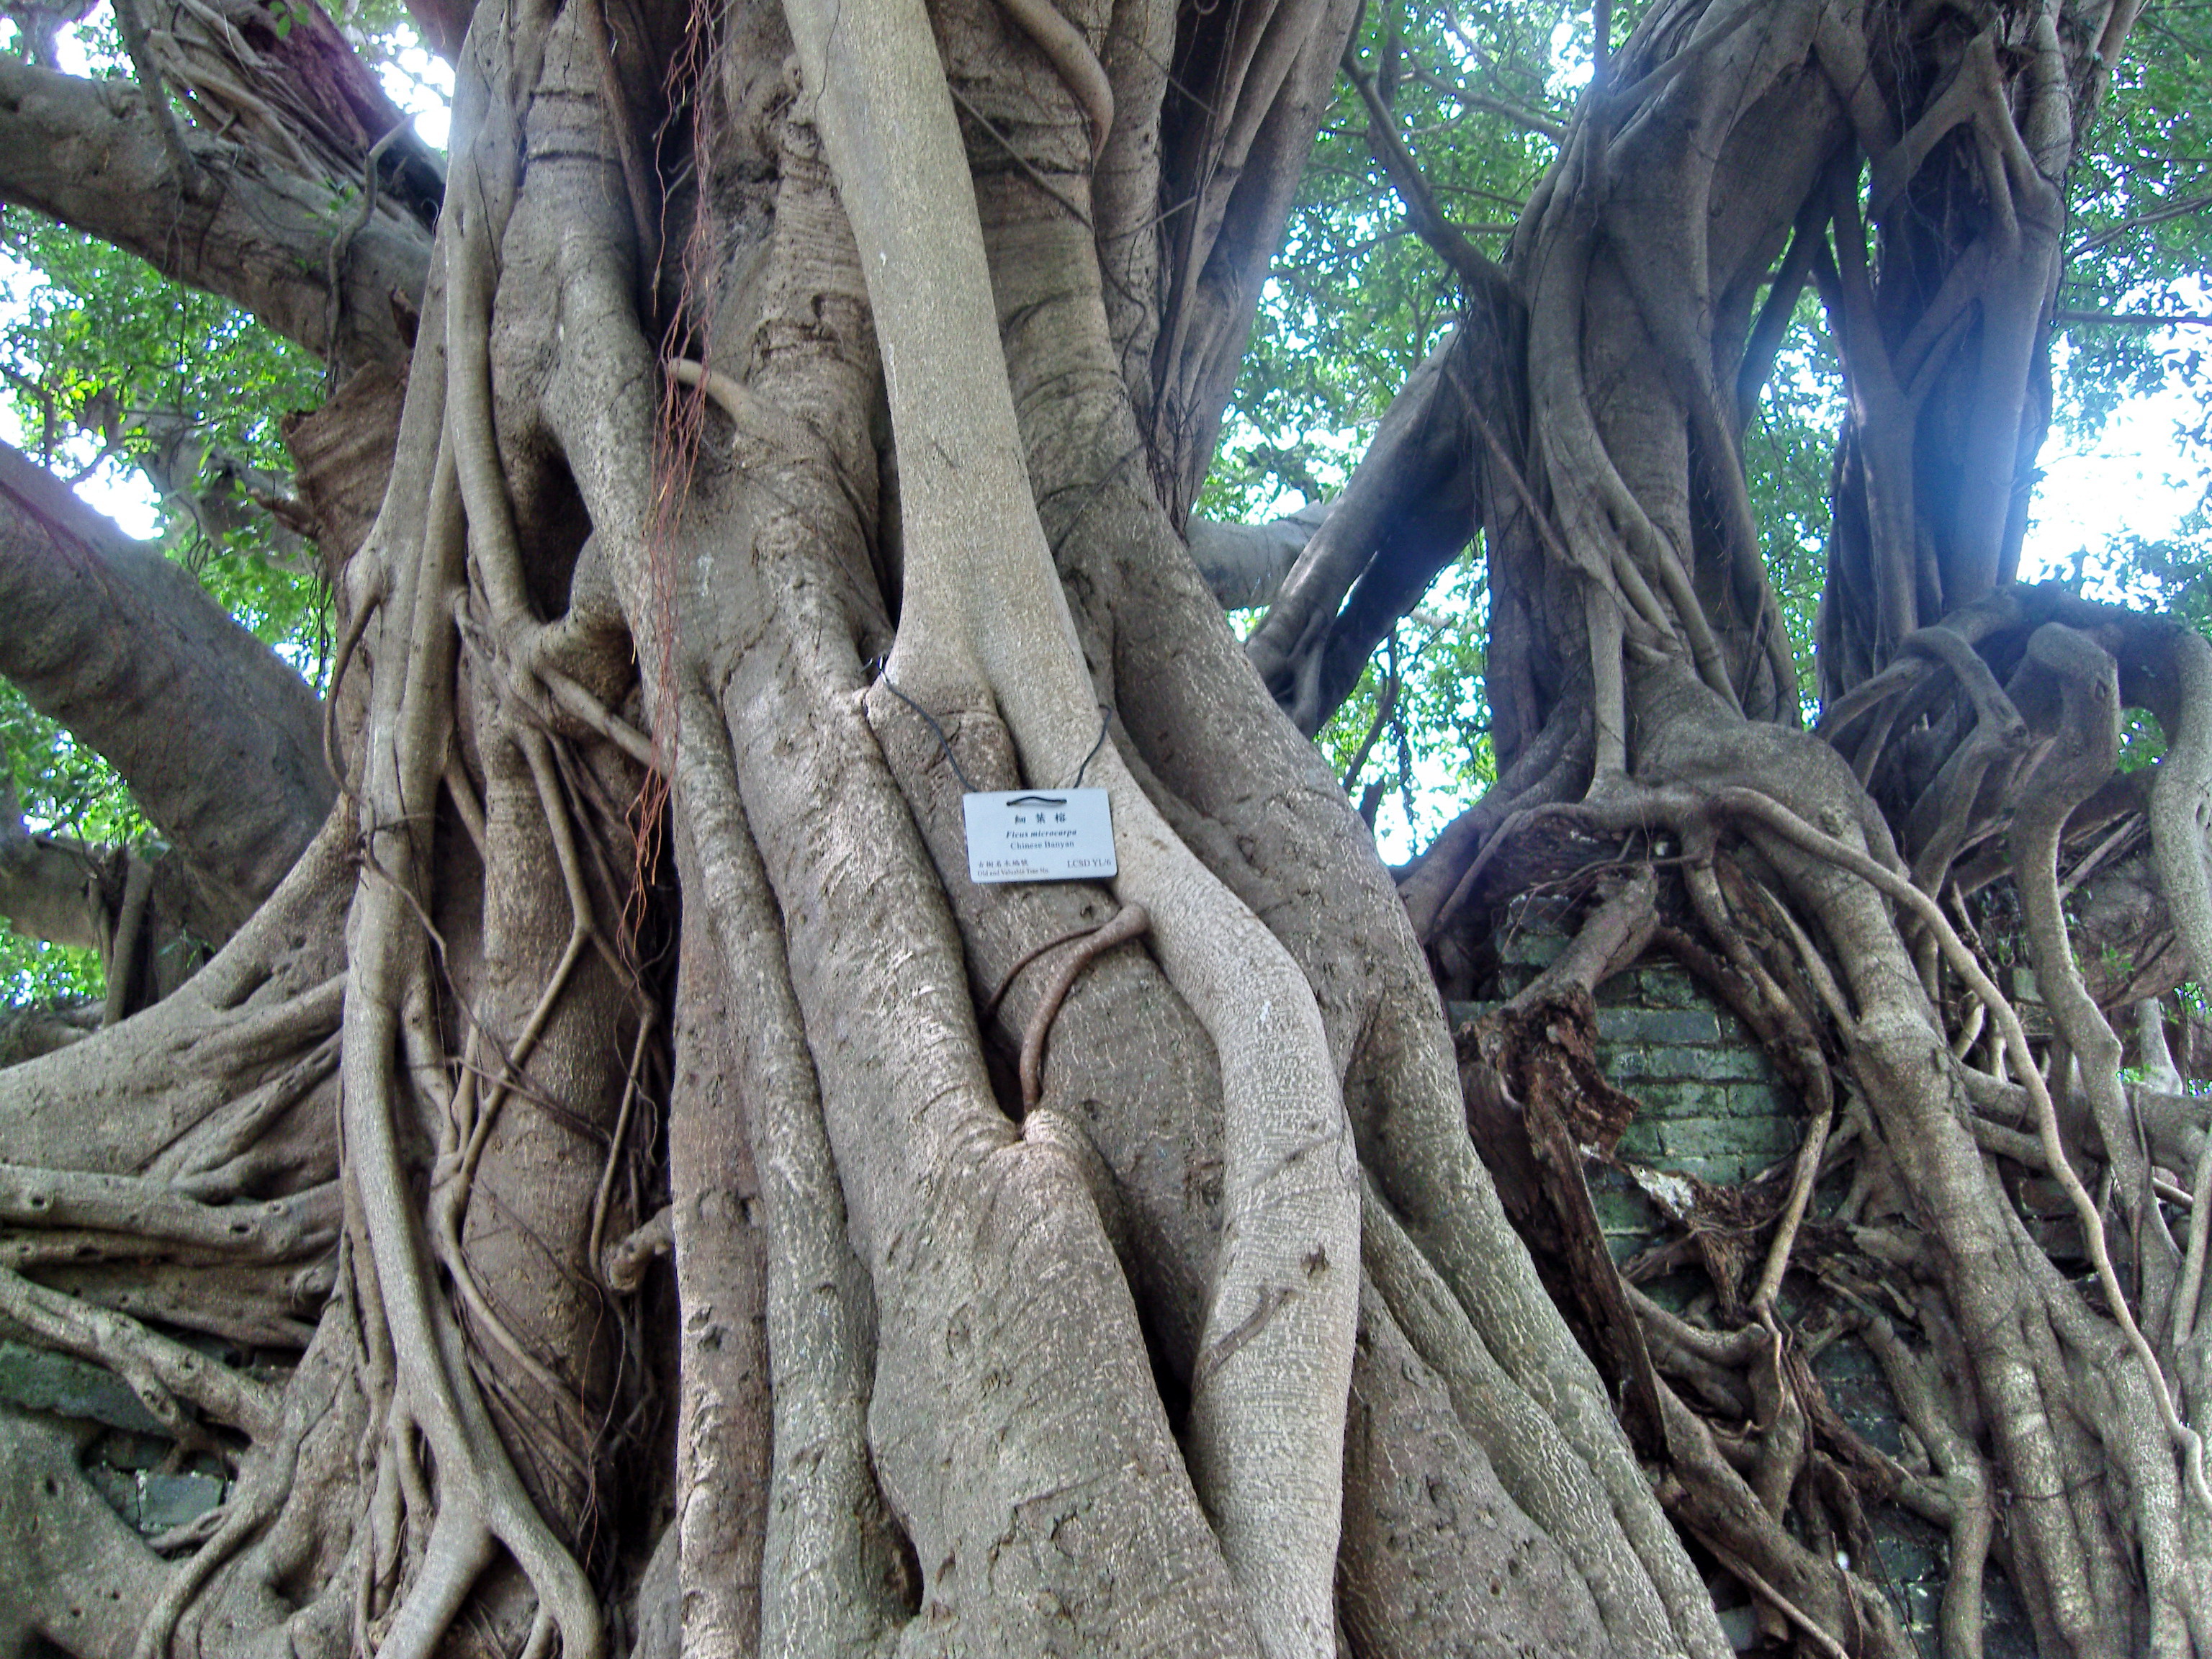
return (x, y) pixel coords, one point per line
(1073, 60)
(473, 1122)
(1772, 814)
(159, 1370)
(991, 1003)
(240, 1518)
(481, 1503)
(1129, 922)
(614, 1146)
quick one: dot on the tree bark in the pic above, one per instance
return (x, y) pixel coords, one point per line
(1095, 1266)
(219, 737)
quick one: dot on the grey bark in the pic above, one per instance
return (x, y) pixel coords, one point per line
(85, 152)
(219, 739)
(1245, 564)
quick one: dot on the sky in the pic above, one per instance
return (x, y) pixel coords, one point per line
(2131, 481)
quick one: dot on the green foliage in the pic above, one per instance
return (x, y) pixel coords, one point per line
(1356, 300)
(2141, 240)
(62, 788)
(103, 361)
(2142, 186)
(111, 368)
(1432, 752)
(1789, 451)
(108, 363)
(33, 971)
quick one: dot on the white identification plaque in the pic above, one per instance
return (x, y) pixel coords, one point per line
(1060, 835)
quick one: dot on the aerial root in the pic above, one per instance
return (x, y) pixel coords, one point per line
(1963, 1502)
(1686, 810)
(1773, 815)
(1129, 922)
(1957, 1496)
(162, 1371)
(1073, 60)
(251, 1505)
(614, 1142)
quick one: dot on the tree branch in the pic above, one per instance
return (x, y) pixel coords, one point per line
(2134, 319)
(1480, 274)
(218, 737)
(1245, 564)
(86, 154)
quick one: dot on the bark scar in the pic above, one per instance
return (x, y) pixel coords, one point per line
(1253, 1323)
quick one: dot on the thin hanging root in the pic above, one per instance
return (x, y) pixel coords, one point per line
(451, 1207)
(1752, 803)
(485, 1318)
(481, 1497)
(754, 416)
(615, 1143)
(580, 934)
(2200, 1224)
(991, 1003)
(1129, 922)
(465, 804)
(349, 643)
(1810, 1152)
(576, 701)
(1814, 1145)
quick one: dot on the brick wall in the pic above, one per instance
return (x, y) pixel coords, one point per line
(1711, 1105)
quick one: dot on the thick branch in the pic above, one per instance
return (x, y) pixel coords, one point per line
(86, 154)
(1245, 564)
(49, 887)
(1410, 507)
(219, 739)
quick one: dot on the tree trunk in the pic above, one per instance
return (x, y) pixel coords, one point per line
(799, 426)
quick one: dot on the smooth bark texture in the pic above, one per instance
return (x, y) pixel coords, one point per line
(218, 736)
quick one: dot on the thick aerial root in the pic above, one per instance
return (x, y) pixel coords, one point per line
(1547, 1468)
(828, 1562)
(982, 603)
(480, 1501)
(1129, 922)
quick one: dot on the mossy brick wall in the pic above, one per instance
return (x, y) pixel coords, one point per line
(1712, 1105)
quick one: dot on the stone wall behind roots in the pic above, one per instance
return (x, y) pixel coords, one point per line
(1711, 1106)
